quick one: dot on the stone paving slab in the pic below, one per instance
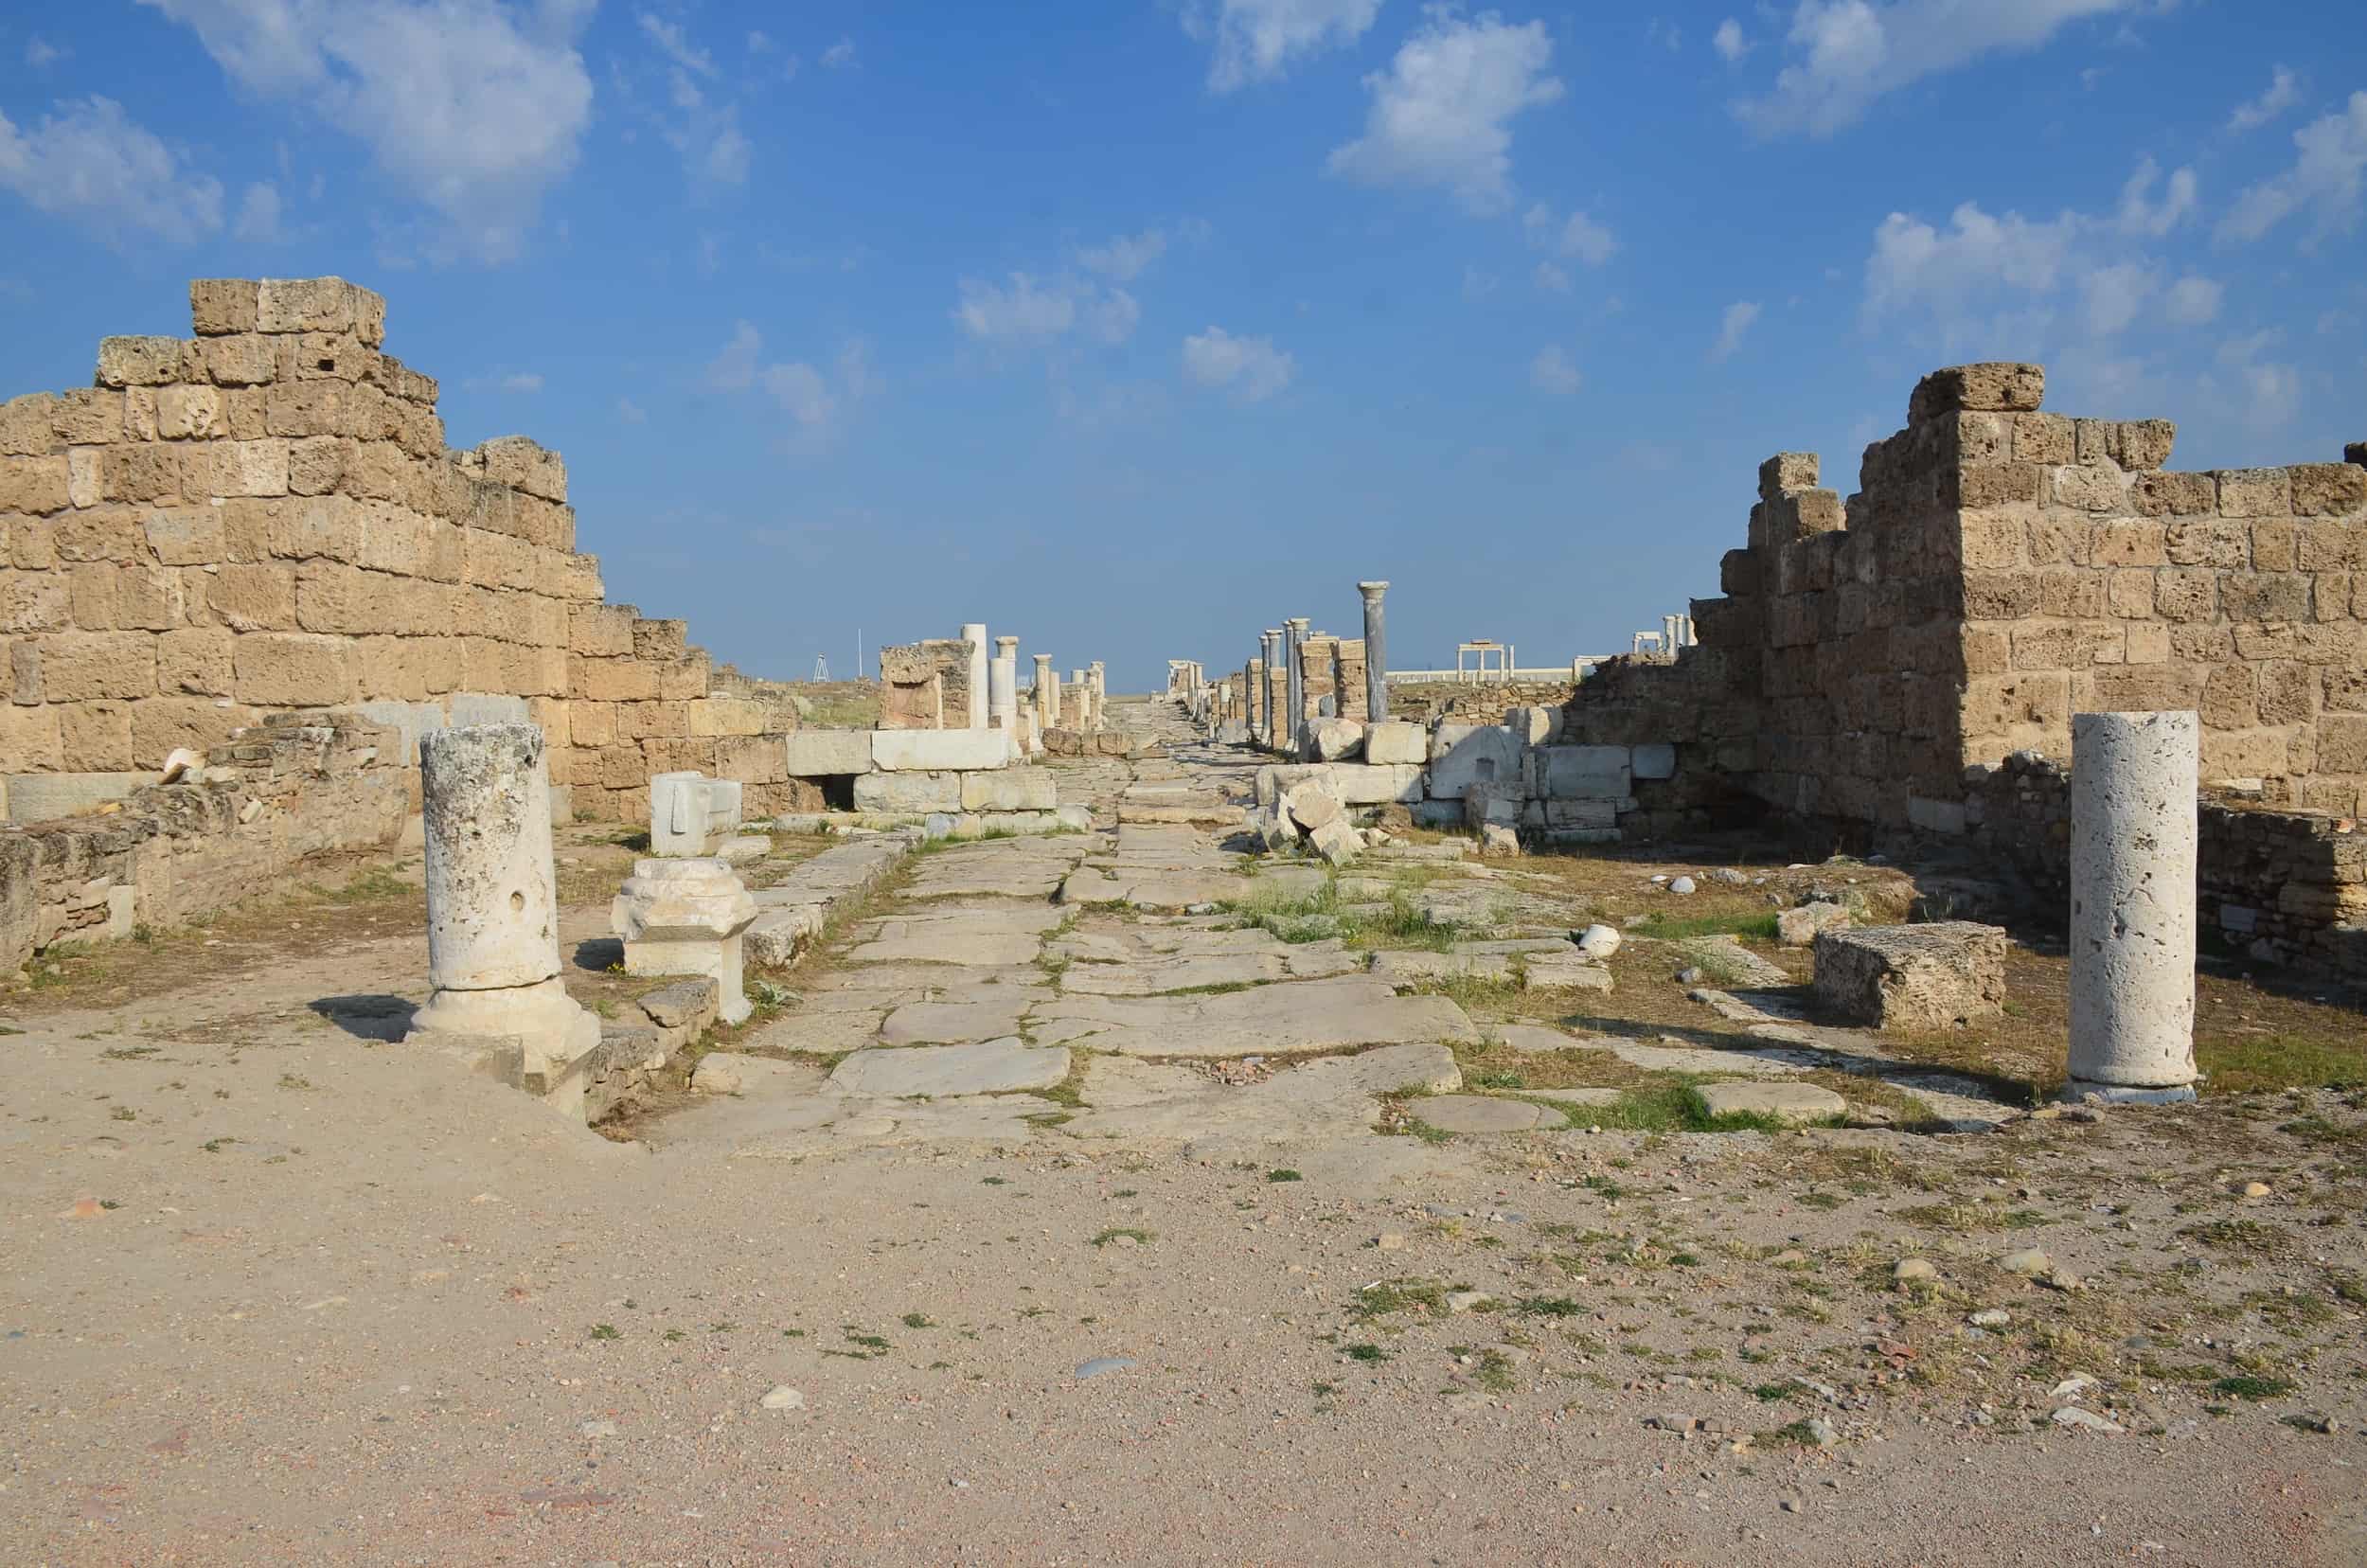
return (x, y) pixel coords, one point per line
(1791, 1103)
(988, 1067)
(1148, 889)
(1483, 1114)
(1334, 1097)
(954, 1023)
(1156, 976)
(1301, 1017)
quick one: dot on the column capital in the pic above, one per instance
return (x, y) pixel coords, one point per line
(1373, 589)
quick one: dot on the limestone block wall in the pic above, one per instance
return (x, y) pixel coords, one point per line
(1472, 702)
(263, 517)
(295, 785)
(925, 685)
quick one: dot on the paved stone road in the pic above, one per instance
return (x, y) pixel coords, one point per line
(1088, 987)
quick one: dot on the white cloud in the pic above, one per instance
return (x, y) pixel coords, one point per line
(1478, 285)
(629, 412)
(2268, 392)
(1250, 367)
(1550, 371)
(735, 368)
(1441, 112)
(1729, 43)
(2325, 178)
(1125, 257)
(2191, 301)
(1849, 53)
(675, 44)
(96, 167)
(1019, 312)
(2111, 296)
(839, 55)
(1552, 277)
(259, 215)
(1916, 263)
(725, 161)
(1735, 322)
(813, 405)
(40, 54)
(1260, 40)
(2140, 214)
(1114, 316)
(522, 381)
(1579, 237)
(475, 107)
(2284, 91)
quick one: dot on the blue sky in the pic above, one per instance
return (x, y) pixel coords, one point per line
(1134, 328)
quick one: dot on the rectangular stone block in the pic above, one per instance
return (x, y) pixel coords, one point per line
(906, 793)
(1011, 790)
(1375, 784)
(1395, 741)
(1582, 773)
(917, 751)
(825, 754)
(290, 669)
(1464, 755)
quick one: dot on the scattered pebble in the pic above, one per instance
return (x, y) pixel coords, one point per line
(1991, 1317)
(2087, 1420)
(2029, 1262)
(1390, 1241)
(1468, 1301)
(2256, 1189)
(1912, 1270)
(785, 1398)
(596, 1428)
(1683, 884)
(1099, 1364)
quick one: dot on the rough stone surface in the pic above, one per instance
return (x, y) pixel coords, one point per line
(1791, 1103)
(988, 1067)
(2132, 905)
(1913, 976)
(1482, 1114)
(1798, 927)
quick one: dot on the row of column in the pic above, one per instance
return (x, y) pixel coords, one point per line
(1273, 682)
(994, 690)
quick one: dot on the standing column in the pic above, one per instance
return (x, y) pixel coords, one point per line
(492, 912)
(2132, 915)
(974, 634)
(1375, 654)
(1003, 686)
(1267, 678)
(1095, 674)
(1046, 712)
(1297, 652)
(1053, 704)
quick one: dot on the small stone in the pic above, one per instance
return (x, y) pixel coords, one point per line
(1681, 884)
(1790, 1505)
(1468, 1301)
(1822, 1432)
(2063, 1279)
(719, 1072)
(1689, 975)
(2071, 1387)
(1199, 909)
(1671, 1422)
(1991, 1317)
(1729, 876)
(1390, 1241)
(784, 1397)
(2256, 1189)
(2030, 1262)
(1099, 1364)
(1599, 941)
(597, 1429)
(1912, 1270)
(1790, 1257)
(2087, 1420)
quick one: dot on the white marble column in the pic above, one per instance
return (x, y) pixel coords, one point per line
(1375, 654)
(1002, 685)
(2134, 823)
(974, 634)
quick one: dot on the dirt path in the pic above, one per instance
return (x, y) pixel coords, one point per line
(278, 1293)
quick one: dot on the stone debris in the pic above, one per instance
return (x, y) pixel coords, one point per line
(1798, 927)
(1915, 976)
(1788, 1103)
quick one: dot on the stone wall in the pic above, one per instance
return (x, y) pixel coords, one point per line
(263, 517)
(1998, 569)
(925, 685)
(1473, 701)
(295, 785)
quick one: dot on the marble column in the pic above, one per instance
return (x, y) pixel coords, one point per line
(2133, 849)
(1048, 694)
(492, 906)
(1003, 686)
(1375, 654)
(1296, 720)
(974, 634)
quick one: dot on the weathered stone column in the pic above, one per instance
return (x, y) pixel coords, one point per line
(1271, 711)
(492, 910)
(1375, 654)
(1047, 695)
(974, 634)
(687, 916)
(1295, 647)
(1002, 685)
(1101, 680)
(2132, 913)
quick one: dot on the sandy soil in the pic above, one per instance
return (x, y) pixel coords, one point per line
(278, 1293)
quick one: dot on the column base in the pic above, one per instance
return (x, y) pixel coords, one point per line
(2128, 1093)
(535, 1037)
